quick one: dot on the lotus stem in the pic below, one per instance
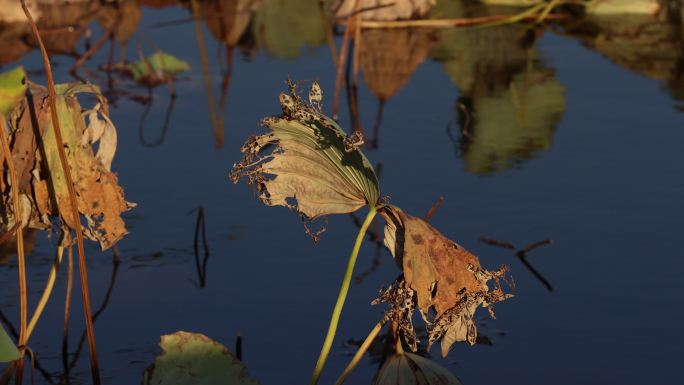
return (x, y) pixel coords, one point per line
(49, 285)
(82, 267)
(342, 296)
(362, 350)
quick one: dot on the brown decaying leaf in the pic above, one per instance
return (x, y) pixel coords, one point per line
(445, 277)
(42, 182)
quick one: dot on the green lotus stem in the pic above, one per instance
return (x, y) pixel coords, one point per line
(46, 293)
(362, 350)
(332, 329)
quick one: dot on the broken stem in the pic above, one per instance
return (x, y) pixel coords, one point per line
(362, 350)
(342, 296)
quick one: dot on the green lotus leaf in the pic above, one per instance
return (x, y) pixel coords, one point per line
(192, 359)
(8, 350)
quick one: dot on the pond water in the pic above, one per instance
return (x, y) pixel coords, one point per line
(574, 134)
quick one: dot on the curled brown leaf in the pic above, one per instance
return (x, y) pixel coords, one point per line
(448, 281)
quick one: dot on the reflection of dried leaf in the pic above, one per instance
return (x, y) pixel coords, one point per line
(193, 359)
(389, 57)
(385, 9)
(444, 275)
(227, 20)
(314, 170)
(122, 18)
(412, 369)
(42, 180)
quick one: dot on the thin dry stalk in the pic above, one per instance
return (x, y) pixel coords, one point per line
(434, 208)
(94, 366)
(362, 350)
(23, 307)
(450, 23)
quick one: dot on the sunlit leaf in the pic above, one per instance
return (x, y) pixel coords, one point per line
(12, 89)
(8, 350)
(42, 184)
(444, 275)
(157, 68)
(314, 168)
(195, 359)
(412, 369)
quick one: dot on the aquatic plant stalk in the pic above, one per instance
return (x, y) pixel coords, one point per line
(82, 267)
(23, 306)
(362, 350)
(49, 285)
(342, 296)
(67, 312)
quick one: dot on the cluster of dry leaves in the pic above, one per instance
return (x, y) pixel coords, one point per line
(42, 184)
(313, 169)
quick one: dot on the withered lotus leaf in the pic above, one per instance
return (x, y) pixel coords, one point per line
(412, 369)
(445, 277)
(41, 177)
(313, 167)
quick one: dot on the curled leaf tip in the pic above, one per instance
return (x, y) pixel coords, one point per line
(313, 167)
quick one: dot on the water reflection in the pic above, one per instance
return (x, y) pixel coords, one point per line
(510, 100)
(285, 28)
(650, 46)
(388, 58)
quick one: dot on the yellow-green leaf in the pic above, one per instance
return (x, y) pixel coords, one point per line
(8, 350)
(12, 89)
(194, 359)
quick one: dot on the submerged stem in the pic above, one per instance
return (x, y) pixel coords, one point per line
(362, 350)
(337, 311)
(49, 285)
